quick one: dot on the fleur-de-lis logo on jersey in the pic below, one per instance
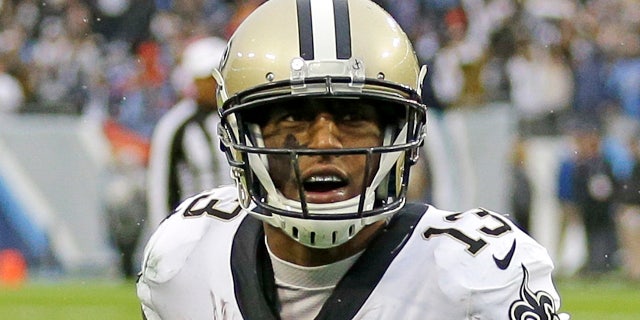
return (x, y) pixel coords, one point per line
(532, 305)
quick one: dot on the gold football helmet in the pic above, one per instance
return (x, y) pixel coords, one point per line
(330, 49)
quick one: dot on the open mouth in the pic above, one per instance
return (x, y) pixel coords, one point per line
(324, 183)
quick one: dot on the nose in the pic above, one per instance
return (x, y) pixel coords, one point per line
(323, 133)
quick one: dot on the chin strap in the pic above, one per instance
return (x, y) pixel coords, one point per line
(388, 160)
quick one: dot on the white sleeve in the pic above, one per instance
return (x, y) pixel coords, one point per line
(493, 266)
(185, 268)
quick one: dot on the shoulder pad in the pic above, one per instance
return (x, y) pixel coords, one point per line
(483, 244)
(177, 236)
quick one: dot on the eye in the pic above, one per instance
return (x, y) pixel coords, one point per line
(283, 115)
(357, 114)
(293, 116)
(290, 118)
(349, 117)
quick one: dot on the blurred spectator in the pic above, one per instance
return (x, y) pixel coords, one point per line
(593, 192)
(456, 67)
(185, 156)
(126, 206)
(494, 74)
(592, 97)
(628, 215)
(619, 35)
(541, 85)
(124, 195)
(11, 91)
(568, 208)
(589, 67)
(140, 91)
(123, 20)
(521, 192)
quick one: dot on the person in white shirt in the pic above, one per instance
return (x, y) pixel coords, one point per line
(321, 119)
(185, 158)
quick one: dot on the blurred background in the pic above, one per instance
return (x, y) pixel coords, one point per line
(534, 113)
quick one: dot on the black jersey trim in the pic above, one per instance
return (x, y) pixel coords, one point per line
(254, 285)
(343, 29)
(253, 281)
(176, 156)
(305, 29)
(356, 286)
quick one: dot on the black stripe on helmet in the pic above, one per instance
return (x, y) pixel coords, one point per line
(343, 29)
(305, 30)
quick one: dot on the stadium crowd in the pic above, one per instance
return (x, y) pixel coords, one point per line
(566, 68)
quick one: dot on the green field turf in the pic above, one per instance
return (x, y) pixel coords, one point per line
(608, 299)
(70, 300)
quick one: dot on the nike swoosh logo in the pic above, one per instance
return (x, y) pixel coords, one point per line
(504, 263)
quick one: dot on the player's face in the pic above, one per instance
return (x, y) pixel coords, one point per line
(322, 124)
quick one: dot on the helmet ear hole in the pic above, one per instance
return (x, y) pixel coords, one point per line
(312, 238)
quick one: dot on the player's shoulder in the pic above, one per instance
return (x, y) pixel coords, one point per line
(483, 256)
(483, 244)
(210, 218)
(488, 225)
(220, 203)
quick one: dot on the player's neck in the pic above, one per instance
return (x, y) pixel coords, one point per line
(292, 251)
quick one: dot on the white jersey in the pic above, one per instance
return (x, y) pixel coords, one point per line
(209, 261)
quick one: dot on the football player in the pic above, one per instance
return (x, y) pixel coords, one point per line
(322, 120)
